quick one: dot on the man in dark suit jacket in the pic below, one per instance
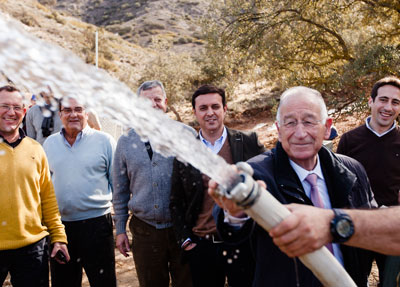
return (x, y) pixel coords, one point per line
(210, 259)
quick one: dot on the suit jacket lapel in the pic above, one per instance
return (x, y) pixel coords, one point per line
(236, 144)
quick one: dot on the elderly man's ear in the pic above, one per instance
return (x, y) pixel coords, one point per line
(328, 125)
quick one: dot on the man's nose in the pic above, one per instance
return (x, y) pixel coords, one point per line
(388, 106)
(11, 110)
(300, 130)
(210, 111)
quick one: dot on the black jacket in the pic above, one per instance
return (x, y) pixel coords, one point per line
(348, 186)
(187, 184)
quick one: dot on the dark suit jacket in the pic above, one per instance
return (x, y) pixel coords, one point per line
(187, 184)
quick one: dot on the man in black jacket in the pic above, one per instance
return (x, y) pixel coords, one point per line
(210, 259)
(288, 170)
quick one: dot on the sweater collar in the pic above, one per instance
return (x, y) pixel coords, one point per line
(367, 121)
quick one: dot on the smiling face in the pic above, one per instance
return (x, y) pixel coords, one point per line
(12, 112)
(210, 113)
(385, 108)
(301, 130)
(73, 116)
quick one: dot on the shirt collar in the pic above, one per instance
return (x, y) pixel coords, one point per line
(81, 134)
(220, 140)
(376, 133)
(18, 141)
(303, 173)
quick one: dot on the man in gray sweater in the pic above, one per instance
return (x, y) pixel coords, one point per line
(142, 183)
(43, 120)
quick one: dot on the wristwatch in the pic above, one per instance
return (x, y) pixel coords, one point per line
(342, 227)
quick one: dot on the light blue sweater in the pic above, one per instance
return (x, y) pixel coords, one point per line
(81, 174)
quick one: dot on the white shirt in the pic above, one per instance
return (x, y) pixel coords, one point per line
(216, 147)
(322, 189)
(323, 192)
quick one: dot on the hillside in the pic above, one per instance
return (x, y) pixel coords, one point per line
(138, 21)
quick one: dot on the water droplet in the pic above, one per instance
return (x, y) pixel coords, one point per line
(235, 256)
(101, 271)
(78, 260)
(229, 260)
(208, 236)
(224, 253)
(237, 250)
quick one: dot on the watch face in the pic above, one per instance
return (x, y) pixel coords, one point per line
(343, 228)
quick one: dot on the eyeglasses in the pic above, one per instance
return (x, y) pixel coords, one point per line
(8, 108)
(307, 124)
(77, 110)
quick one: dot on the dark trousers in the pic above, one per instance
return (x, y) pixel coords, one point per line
(210, 263)
(28, 266)
(91, 246)
(157, 255)
(392, 272)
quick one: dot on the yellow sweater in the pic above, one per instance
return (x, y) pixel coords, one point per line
(28, 206)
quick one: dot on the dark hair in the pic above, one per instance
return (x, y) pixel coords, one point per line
(209, 89)
(9, 88)
(60, 100)
(392, 81)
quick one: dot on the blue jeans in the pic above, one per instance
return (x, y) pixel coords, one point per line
(91, 246)
(28, 266)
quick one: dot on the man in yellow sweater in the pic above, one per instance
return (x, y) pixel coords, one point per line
(29, 210)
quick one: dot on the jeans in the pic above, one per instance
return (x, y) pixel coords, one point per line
(91, 246)
(28, 265)
(157, 255)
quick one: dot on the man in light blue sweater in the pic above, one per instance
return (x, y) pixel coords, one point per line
(142, 185)
(80, 160)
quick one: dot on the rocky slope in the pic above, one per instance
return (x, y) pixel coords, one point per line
(139, 20)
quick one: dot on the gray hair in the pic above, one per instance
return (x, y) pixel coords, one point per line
(300, 90)
(150, 85)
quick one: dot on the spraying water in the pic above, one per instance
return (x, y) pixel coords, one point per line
(35, 64)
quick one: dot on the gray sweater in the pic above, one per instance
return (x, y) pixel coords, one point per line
(34, 119)
(141, 185)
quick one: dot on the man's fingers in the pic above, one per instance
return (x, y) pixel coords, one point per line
(289, 223)
(122, 250)
(127, 245)
(262, 184)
